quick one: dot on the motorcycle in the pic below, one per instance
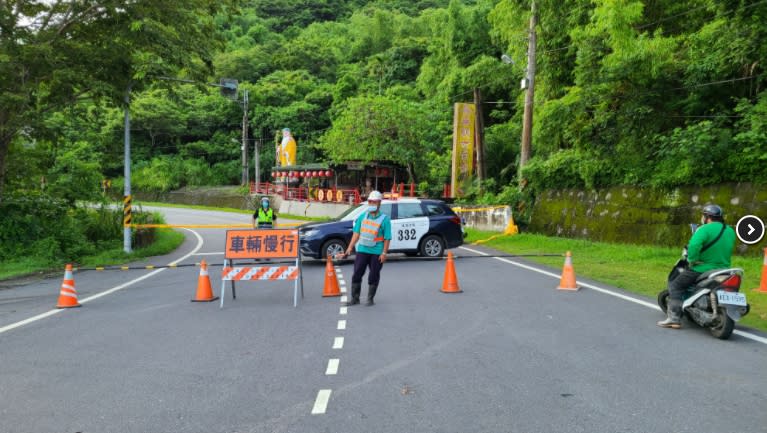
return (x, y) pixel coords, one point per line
(714, 301)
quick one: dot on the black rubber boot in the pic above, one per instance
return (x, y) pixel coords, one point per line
(356, 290)
(371, 295)
(674, 314)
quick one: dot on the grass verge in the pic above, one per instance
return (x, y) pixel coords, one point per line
(166, 241)
(636, 268)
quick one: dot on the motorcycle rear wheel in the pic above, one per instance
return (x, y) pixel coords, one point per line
(724, 328)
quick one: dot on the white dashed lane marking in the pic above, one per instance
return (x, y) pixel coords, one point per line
(332, 366)
(321, 403)
(338, 343)
(323, 395)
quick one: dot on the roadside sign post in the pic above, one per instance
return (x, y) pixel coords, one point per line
(262, 244)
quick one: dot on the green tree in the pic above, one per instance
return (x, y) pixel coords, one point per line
(379, 128)
(51, 54)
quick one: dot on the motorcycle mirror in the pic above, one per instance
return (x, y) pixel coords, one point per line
(693, 227)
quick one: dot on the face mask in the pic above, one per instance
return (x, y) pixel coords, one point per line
(372, 208)
(264, 205)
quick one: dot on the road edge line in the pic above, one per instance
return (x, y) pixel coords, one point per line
(107, 292)
(743, 334)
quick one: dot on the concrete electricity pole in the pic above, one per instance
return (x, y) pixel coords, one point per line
(245, 138)
(527, 124)
(127, 199)
(257, 163)
(479, 133)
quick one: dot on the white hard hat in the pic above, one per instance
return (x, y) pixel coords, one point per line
(375, 195)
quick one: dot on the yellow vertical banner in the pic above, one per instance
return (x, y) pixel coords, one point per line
(463, 147)
(287, 149)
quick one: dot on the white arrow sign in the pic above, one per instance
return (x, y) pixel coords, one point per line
(752, 229)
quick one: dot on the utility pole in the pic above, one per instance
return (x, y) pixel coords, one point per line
(527, 124)
(257, 163)
(479, 135)
(245, 138)
(127, 199)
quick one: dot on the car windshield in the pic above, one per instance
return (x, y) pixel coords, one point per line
(351, 213)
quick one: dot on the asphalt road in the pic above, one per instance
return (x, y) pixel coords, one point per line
(509, 354)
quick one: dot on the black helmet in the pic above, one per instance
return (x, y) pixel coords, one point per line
(713, 211)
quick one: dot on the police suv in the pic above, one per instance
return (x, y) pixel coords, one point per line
(418, 226)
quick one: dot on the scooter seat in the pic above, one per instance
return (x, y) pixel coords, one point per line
(707, 274)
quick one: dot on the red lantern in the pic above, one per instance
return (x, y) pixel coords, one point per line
(315, 174)
(328, 173)
(293, 174)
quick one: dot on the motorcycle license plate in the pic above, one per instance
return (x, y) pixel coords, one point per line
(731, 298)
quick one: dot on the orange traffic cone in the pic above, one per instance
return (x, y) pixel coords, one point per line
(763, 286)
(450, 282)
(331, 281)
(68, 294)
(204, 291)
(567, 282)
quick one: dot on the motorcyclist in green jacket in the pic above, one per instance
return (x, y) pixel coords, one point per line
(710, 248)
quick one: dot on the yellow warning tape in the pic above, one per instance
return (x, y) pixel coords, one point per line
(482, 241)
(203, 226)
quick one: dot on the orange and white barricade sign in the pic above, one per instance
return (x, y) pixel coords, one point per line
(262, 244)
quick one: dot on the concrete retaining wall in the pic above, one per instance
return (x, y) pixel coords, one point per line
(309, 209)
(642, 216)
(488, 218)
(217, 197)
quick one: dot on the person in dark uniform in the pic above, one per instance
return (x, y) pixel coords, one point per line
(264, 216)
(372, 234)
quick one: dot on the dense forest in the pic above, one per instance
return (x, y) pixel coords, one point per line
(657, 93)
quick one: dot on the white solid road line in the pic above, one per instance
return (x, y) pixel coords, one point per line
(332, 366)
(321, 403)
(210, 254)
(107, 292)
(744, 334)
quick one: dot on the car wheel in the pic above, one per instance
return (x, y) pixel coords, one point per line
(332, 247)
(432, 246)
